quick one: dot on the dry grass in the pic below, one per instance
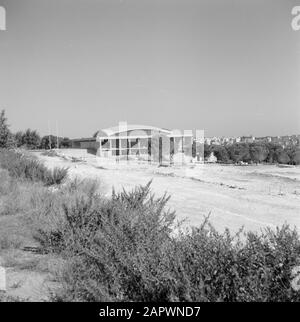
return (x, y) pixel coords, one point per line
(16, 205)
(20, 165)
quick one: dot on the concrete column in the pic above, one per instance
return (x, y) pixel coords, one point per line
(171, 150)
(139, 146)
(117, 150)
(182, 151)
(128, 148)
(149, 150)
(160, 150)
(100, 148)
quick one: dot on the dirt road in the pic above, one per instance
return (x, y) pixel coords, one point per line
(253, 196)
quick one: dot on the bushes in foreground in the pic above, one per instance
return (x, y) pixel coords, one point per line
(129, 248)
(22, 166)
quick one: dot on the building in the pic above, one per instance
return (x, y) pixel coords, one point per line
(264, 139)
(247, 139)
(89, 144)
(151, 143)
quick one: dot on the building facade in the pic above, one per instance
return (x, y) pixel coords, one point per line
(148, 143)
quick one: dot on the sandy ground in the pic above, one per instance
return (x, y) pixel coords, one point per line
(251, 196)
(27, 284)
(28, 276)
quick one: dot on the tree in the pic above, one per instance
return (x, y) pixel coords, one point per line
(45, 142)
(207, 150)
(31, 139)
(62, 142)
(296, 157)
(220, 152)
(65, 143)
(11, 141)
(239, 152)
(19, 138)
(294, 154)
(275, 153)
(283, 157)
(258, 152)
(5, 134)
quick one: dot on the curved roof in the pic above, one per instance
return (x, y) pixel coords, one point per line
(130, 127)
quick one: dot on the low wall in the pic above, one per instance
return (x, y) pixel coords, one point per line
(76, 153)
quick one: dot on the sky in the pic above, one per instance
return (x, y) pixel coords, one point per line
(230, 67)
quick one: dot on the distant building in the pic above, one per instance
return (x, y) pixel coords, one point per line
(284, 141)
(264, 139)
(216, 141)
(275, 139)
(238, 139)
(207, 141)
(89, 144)
(247, 139)
(142, 141)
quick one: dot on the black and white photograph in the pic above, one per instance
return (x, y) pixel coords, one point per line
(149, 153)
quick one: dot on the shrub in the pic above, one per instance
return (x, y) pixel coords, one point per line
(128, 248)
(48, 209)
(222, 268)
(56, 176)
(96, 232)
(23, 166)
(125, 248)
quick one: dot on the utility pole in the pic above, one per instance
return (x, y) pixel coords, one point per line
(57, 135)
(49, 135)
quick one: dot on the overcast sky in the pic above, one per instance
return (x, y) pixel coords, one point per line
(230, 67)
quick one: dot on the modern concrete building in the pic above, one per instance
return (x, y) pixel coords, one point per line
(85, 143)
(127, 141)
